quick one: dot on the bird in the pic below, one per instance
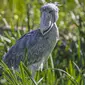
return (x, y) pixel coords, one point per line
(35, 46)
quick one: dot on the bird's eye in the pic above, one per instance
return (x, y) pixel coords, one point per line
(50, 11)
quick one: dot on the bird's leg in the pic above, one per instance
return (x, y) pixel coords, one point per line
(33, 69)
(33, 80)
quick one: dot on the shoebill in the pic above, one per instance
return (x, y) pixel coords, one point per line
(35, 46)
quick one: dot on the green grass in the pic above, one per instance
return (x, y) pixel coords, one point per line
(71, 76)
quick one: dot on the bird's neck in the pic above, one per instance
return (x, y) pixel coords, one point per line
(48, 29)
(53, 32)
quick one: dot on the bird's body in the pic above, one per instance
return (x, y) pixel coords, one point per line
(34, 47)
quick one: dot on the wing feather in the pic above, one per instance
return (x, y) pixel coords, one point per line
(17, 51)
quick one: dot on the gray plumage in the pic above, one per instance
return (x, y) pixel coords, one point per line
(35, 46)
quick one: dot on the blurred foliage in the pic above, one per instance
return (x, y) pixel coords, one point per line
(20, 16)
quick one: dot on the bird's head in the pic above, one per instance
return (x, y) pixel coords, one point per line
(49, 15)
